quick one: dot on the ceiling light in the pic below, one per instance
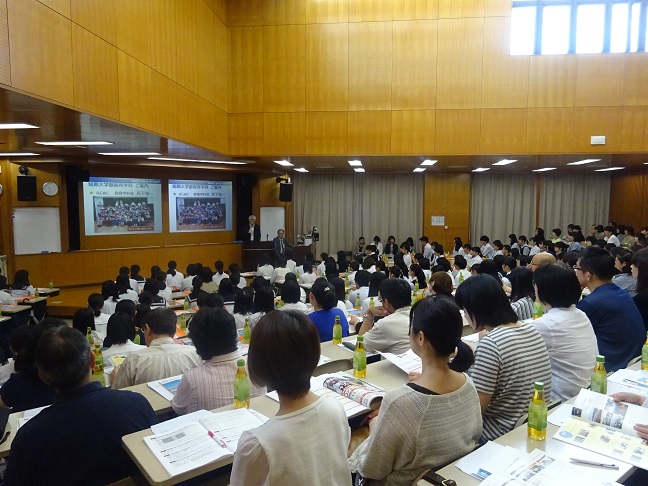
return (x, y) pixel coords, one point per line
(583, 162)
(544, 169)
(609, 169)
(197, 160)
(481, 169)
(72, 144)
(16, 154)
(355, 163)
(129, 153)
(429, 162)
(419, 169)
(15, 126)
(505, 162)
(301, 169)
(359, 169)
(285, 163)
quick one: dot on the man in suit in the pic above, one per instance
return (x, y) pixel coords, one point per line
(280, 244)
(251, 232)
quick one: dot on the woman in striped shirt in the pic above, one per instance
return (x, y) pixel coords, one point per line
(510, 356)
(522, 292)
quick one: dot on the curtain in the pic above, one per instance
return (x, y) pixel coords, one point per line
(501, 205)
(582, 199)
(345, 207)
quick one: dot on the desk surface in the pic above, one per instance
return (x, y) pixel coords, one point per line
(5, 318)
(31, 300)
(14, 309)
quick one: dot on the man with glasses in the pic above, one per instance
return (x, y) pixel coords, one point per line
(541, 259)
(615, 318)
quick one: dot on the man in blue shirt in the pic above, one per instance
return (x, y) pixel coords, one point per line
(77, 440)
(617, 323)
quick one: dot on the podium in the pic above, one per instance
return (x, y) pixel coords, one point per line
(253, 253)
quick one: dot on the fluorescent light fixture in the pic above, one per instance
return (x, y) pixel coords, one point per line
(197, 160)
(481, 169)
(428, 162)
(142, 154)
(17, 154)
(609, 169)
(419, 169)
(505, 162)
(544, 169)
(301, 169)
(355, 163)
(15, 126)
(72, 144)
(285, 163)
(583, 162)
(359, 169)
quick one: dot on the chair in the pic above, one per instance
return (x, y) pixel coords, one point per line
(634, 361)
(334, 366)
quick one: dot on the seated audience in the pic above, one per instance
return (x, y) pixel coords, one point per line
(208, 285)
(374, 285)
(342, 304)
(486, 248)
(362, 278)
(460, 267)
(110, 293)
(566, 330)
(510, 357)
(18, 343)
(309, 276)
(279, 273)
(84, 319)
(617, 323)
(441, 285)
(163, 290)
(390, 332)
(20, 287)
(265, 270)
(78, 440)
(226, 290)
(152, 287)
(263, 303)
(522, 292)
(192, 272)
(96, 304)
(210, 300)
(135, 275)
(290, 297)
(124, 290)
(324, 300)
(417, 276)
(211, 384)
(220, 273)
(196, 291)
(434, 419)
(640, 273)
(161, 359)
(173, 278)
(121, 333)
(243, 306)
(623, 263)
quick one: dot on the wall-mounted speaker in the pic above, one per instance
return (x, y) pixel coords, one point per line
(285, 192)
(27, 188)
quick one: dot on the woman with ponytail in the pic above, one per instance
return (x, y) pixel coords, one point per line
(324, 300)
(174, 278)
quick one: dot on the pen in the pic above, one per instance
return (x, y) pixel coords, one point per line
(593, 463)
(217, 439)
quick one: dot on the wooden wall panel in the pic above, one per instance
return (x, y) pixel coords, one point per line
(459, 68)
(61, 6)
(5, 57)
(503, 130)
(370, 132)
(221, 82)
(97, 16)
(134, 28)
(246, 69)
(629, 199)
(505, 82)
(164, 105)
(635, 88)
(414, 61)
(96, 86)
(206, 36)
(284, 133)
(457, 131)
(40, 42)
(413, 132)
(370, 10)
(280, 12)
(188, 54)
(596, 86)
(327, 67)
(219, 7)
(135, 91)
(242, 13)
(370, 66)
(221, 139)
(331, 11)
(245, 133)
(497, 8)
(550, 130)
(326, 133)
(595, 120)
(447, 195)
(284, 67)
(460, 8)
(552, 81)
(633, 130)
(44, 173)
(164, 37)
(416, 9)
(188, 120)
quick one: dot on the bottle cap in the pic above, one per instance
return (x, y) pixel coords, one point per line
(600, 358)
(240, 362)
(538, 385)
(360, 339)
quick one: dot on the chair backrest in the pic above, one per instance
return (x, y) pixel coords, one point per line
(334, 366)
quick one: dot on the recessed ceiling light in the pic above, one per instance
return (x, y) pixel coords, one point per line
(609, 169)
(505, 162)
(419, 169)
(583, 162)
(429, 162)
(355, 163)
(16, 154)
(544, 169)
(285, 163)
(359, 169)
(15, 126)
(481, 169)
(129, 153)
(72, 144)
(197, 160)
(301, 169)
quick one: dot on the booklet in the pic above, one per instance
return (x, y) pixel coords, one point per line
(625, 380)
(600, 425)
(167, 387)
(356, 396)
(197, 439)
(408, 361)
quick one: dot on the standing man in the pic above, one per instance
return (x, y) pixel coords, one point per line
(280, 244)
(252, 232)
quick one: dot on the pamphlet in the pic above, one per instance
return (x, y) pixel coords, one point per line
(408, 361)
(625, 380)
(167, 387)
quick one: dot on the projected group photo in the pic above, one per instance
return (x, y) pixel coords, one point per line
(200, 213)
(123, 214)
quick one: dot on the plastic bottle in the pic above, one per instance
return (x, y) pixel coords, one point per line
(51, 284)
(644, 355)
(241, 386)
(599, 376)
(186, 304)
(537, 426)
(538, 310)
(36, 293)
(358, 302)
(371, 302)
(360, 359)
(247, 331)
(98, 372)
(89, 337)
(337, 331)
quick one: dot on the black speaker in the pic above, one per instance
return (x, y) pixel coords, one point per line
(285, 192)
(26, 188)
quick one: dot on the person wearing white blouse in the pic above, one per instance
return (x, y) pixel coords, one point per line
(120, 334)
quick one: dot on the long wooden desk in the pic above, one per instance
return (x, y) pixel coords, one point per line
(14, 310)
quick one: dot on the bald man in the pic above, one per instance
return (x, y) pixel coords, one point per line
(541, 259)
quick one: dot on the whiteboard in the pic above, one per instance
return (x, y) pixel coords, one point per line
(272, 219)
(36, 230)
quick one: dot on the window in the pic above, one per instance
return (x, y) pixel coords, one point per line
(578, 26)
